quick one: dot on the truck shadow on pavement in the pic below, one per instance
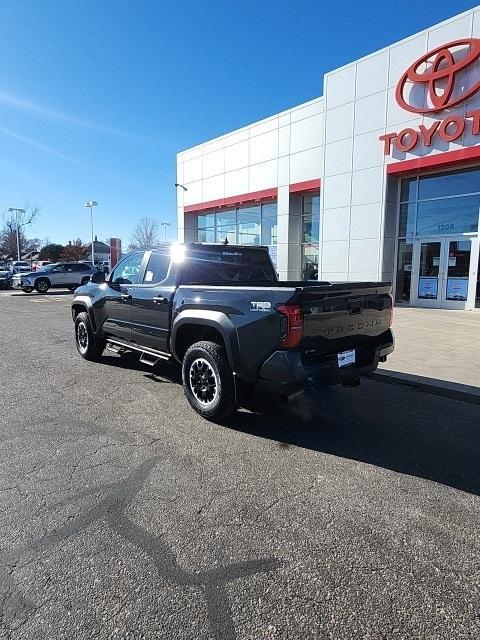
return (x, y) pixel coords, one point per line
(16, 609)
(397, 428)
(400, 429)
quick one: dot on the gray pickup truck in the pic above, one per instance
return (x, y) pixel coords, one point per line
(223, 314)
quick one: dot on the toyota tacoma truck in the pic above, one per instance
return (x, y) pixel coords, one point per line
(222, 313)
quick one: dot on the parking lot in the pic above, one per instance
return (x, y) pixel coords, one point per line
(126, 515)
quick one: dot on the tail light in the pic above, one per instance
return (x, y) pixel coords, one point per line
(292, 324)
(390, 320)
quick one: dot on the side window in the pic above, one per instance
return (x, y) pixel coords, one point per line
(127, 271)
(157, 268)
(80, 267)
(59, 269)
(70, 268)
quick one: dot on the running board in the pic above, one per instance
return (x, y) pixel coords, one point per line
(148, 356)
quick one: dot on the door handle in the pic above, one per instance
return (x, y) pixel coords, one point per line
(158, 299)
(125, 296)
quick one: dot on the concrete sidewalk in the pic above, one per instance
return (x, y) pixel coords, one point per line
(436, 348)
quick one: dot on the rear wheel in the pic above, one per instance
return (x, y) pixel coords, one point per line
(42, 285)
(89, 346)
(208, 380)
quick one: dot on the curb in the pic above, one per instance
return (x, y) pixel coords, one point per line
(452, 390)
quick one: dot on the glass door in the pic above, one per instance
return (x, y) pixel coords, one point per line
(444, 273)
(427, 263)
(457, 277)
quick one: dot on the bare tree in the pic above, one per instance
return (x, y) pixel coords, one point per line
(145, 235)
(8, 233)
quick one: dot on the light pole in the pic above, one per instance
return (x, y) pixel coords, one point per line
(17, 211)
(165, 225)
(90, 204)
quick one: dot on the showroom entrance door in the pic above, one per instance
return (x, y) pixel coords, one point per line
(444, 272)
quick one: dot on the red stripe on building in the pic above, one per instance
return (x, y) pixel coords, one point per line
(254, 196)
(308, 185)
(446, 159)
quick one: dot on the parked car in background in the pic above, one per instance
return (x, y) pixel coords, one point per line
(20, 266)
(104, 266)
(39, 264)
(60, 275)
(5, 278)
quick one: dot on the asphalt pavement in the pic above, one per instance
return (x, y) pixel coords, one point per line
(125, 515)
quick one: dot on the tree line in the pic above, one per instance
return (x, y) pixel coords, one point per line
(146, 235)
(74, 250)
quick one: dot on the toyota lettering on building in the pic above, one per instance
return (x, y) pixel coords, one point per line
(378, 179)
(441, 79)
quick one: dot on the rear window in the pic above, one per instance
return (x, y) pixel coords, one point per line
(227, 266)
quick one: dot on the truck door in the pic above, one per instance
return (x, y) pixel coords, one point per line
(151, 304)
(118, 297)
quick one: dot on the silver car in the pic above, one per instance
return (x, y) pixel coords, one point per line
(60, 275)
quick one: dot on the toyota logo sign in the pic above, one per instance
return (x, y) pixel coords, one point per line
(439, 79)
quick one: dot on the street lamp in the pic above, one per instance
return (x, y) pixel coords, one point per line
(165, 225)
(90, 204)
(17, 211)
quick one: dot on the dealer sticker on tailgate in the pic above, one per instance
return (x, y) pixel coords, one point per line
(346, 357)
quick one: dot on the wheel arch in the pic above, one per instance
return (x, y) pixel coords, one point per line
(79, 305)
(190, 327)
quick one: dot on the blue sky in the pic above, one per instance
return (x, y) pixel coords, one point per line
(97, 97)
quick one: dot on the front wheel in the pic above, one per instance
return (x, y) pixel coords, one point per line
(208, 380)
(42, 285)
(89, 346)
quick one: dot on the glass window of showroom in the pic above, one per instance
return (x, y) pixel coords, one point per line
(434, 206)
(253, 224)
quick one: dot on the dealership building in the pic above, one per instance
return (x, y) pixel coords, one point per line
(378, 179)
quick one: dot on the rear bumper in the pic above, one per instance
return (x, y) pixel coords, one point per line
(289, 368)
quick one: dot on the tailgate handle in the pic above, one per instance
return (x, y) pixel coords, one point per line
(355, 306)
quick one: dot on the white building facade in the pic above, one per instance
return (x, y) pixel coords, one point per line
(379, 179)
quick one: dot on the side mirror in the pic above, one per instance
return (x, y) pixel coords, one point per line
(98, 277)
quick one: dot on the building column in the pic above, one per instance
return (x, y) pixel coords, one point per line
(289, 227)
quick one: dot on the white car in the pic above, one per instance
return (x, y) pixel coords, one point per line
(20, 266)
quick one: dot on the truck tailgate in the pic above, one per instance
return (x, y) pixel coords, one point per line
(343, 316)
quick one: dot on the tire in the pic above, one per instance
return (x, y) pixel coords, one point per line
(27, 289)
(42, 285)
(208, 380)
(89, 346)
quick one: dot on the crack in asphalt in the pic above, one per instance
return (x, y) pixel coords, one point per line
(16, 610)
